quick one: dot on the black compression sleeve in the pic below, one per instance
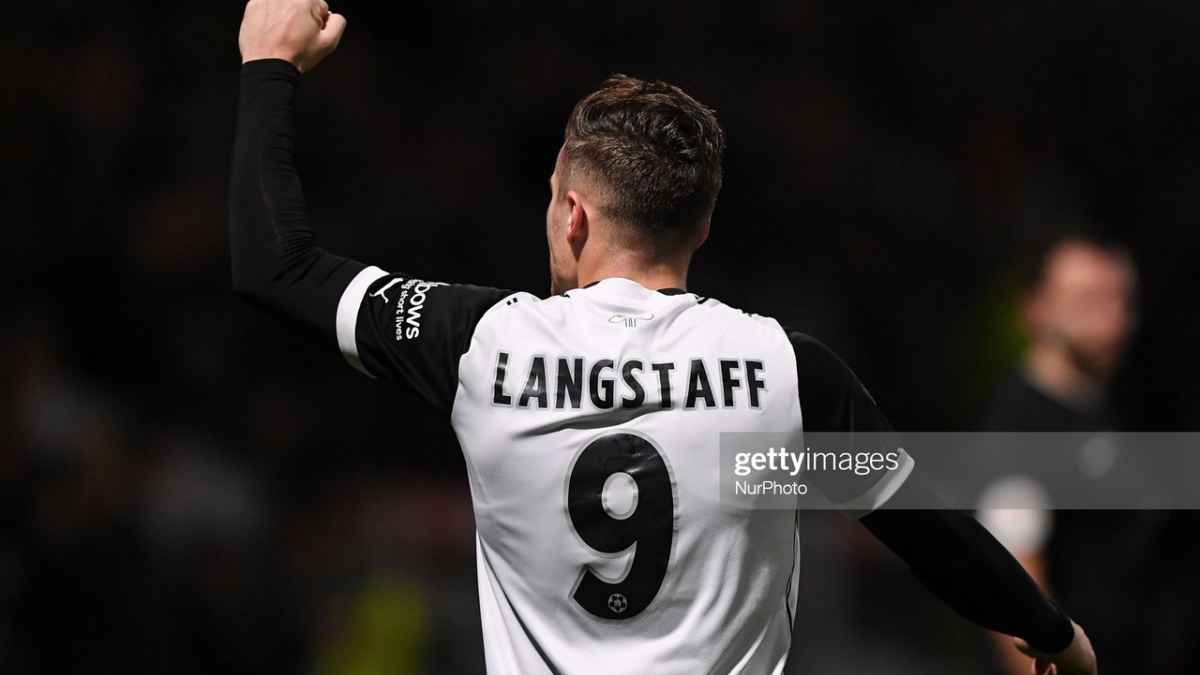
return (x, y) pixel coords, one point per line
(948, 551)
(276, 263)
(963, 565)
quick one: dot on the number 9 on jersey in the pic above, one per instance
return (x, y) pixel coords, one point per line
(651, 526)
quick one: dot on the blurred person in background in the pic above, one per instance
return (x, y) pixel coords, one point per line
(1079, 310)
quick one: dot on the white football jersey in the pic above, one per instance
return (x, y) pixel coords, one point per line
(590, 425)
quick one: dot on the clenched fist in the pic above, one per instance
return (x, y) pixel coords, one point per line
(300, 31)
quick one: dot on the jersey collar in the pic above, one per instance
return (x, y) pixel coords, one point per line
(664, 291)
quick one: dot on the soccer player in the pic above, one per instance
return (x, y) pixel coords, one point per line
(616, 385)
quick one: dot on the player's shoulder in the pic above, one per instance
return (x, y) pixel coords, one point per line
(727, 317)
(813, 357)
(509, 311)
(819, 367)
(815, 363)
(514, 305)
(810, 350)
(704, 313)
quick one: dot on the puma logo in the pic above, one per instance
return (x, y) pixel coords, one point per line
(380, 293)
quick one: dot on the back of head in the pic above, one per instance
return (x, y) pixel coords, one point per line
(652, 151)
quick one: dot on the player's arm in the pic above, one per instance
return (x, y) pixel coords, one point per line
(948, 551)
(961, 563)
(275, 260)
(386, 325)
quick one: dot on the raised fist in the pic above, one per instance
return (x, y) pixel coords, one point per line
(300, 31)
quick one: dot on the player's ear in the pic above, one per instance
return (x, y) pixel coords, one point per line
(578, 227)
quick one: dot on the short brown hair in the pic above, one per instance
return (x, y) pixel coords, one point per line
(656, 149)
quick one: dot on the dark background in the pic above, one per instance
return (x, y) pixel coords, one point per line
(189, 487)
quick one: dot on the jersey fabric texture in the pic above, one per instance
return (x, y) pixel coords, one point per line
(590, 424)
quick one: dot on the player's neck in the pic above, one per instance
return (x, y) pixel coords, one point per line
(651, 275)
